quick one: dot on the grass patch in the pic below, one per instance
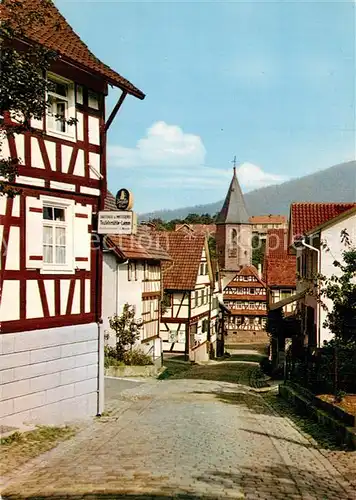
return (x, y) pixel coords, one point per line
(260, 348)
(19, 447)
(245, 374)
(252, 358)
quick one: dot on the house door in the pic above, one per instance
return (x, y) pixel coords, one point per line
(192, 332)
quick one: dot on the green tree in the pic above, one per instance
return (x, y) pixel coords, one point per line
(258, 250)
(127, 330)
(23, 83)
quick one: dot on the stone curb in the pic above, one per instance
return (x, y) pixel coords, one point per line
(345, 435)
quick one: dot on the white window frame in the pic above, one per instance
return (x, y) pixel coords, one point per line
(70, 132)
(67, 205)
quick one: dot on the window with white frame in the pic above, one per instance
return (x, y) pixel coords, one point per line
(55, 237)
(130, 271)
(60, 105)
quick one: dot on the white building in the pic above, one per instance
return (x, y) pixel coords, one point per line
(189, 320)
(51, 370)
(132, 275)
(312, 226)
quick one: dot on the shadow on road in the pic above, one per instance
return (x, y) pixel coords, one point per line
(276, 482)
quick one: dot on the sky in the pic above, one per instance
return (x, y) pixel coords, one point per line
(272, 82)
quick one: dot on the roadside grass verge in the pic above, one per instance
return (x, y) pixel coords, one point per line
(20, 447)
(246, 374)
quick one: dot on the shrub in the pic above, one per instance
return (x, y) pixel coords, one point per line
(137, 357)
(266, 366)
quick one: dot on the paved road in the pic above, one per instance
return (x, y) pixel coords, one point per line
(185, 439)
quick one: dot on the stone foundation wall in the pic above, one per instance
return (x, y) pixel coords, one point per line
(246, 337)
(49, 376)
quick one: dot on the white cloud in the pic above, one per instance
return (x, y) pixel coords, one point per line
(164, 146)
(174, 158)
(252, 177)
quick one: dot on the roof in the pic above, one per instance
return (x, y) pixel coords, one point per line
(206, 229)
(110, 202)
(186, 252)
(268, 219)
(279, 266)
(52, 31)
(144, 245)
(306, 216)
(234, 209)
(246, 271)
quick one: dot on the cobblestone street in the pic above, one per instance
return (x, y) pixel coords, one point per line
(186, 438)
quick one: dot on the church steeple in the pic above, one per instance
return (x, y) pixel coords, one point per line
(234, 209)
(233, 229)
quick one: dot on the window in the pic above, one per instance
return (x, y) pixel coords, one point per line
(252, 291)
(60, 105)
(132, 271)
(196, 298)
(54, 236)
(93, 99)
(205, 326)
(145, 271)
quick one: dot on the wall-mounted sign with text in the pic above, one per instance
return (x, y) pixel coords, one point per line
(120, 222)
(124, 199)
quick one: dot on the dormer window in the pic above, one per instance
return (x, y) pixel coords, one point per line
(61, 106)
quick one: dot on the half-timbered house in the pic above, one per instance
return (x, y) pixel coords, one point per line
(279, 269)
(132, 275)
(51, 366)
(190, 303)
(245, 297)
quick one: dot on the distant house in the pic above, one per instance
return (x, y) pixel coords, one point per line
(279, 271)
(209, 230)
(245, 296)
(312, 224)
(261, 224)
(189, 320)
(132, 274)
(279, 268)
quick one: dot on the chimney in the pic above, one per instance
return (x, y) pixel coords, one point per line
(260, 271)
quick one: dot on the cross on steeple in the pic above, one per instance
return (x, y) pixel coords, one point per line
(234, 162)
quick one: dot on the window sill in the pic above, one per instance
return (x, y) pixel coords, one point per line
(57, 271)
(61, 135)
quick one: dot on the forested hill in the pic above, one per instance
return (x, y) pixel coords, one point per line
(336, 183)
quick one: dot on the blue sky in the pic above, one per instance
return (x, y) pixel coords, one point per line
(270, 82)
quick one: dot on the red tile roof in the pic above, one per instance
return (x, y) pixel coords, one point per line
(144, 245)
(306, 216)
(110, 202)
(268, 219)
(247, 271)
(186, 251)
(279, 269)
(53, 32)
(206, 229)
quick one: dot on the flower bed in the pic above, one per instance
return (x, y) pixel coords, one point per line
(345, 410)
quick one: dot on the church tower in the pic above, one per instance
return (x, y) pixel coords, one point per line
(233, 230)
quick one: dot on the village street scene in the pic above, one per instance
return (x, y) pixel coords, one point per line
(175, 320)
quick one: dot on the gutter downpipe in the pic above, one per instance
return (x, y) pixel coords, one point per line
(306, 245)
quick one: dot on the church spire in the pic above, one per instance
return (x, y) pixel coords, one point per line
(234, 209)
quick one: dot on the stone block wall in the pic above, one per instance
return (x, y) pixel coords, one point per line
(49, 376)
(246, 337)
